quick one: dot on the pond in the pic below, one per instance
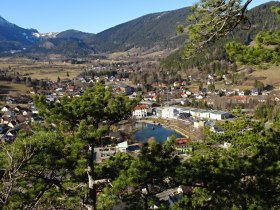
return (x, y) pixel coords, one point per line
(160, 133)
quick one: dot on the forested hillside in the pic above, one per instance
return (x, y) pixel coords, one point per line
(13, 37)
(261, 18)
(151, 31)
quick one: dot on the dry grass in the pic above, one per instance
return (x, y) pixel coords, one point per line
(220, 85)
(41, 70)
(8, 88)
(269, 76)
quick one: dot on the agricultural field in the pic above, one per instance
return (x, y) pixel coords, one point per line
(269, 76)
(41, 70)
(8, 88)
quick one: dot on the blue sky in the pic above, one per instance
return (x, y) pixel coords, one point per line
(84, 15)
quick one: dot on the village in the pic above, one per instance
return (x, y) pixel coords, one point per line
(190, 110)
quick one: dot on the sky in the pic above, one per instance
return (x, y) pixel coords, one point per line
(84, 15)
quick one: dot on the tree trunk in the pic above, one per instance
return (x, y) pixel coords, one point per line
(146, 206)
(91, 201)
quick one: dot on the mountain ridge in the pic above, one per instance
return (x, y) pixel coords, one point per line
(153, 32)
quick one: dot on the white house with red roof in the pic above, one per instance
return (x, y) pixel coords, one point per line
(140, 111)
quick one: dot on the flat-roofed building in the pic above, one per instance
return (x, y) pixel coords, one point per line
(219, 115)
(170, 112)
(204, 114)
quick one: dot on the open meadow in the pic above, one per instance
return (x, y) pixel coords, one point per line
(40, 69)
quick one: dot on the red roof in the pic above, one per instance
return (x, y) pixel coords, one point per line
(182, 141)
(139, 107)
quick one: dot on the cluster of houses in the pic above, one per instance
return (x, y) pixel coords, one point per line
(74, 88)
(182, 149)
(13, 119)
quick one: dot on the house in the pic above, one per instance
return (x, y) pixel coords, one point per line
(170, 196)
(184, 83)
(103, 153)
(115, 135)
(147, 98)
(199, 97)
(71, 88)
(210, 77)
(216, 129)
(5, 120)
(13, 124)
(35, 111)
(5, 109)
(11, 134)
(230, 93)
(241, 93)
(151, 93)
(50, 98)
(184, 95)
(8, 114)
(127, 90)
(255, 92)
(60, 89)
(188, 92)
(225, 145)
(198, 124)
(176, 84)
(25, 112)
(182, 146)
(140, 111)
(265, 93)
(17, 108)
(33, 91)
(122, 147)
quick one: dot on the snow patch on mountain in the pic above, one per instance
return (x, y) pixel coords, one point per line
(45, 35)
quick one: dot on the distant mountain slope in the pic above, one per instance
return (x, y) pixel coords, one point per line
(69, 43)
(13, 37)
(74, 34)
(150, 31)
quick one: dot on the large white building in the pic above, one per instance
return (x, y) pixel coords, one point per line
(170, 112)
(205, 114)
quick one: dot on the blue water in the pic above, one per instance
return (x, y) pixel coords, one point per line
(160, 133)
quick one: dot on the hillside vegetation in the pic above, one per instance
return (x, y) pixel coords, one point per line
(261, 18)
